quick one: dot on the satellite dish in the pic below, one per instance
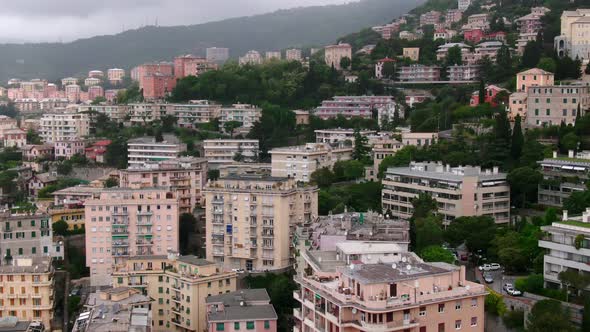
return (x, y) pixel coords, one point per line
(354, 310)
(394, 266)
(467, 287)
(352, 266)
(409, 267)
(404, 259)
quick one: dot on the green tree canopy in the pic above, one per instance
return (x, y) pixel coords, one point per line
(476, 232)
(524, 182)
(437, 254)
(549, 315)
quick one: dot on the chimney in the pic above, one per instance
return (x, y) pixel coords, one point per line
(554, 154)
(448, 168)
(564, 217)
(570, 154)
(495, 169)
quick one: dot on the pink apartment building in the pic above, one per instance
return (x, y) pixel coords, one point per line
(95, 92)
(190, 65)
(247, 309)
(157, 85)
(123, 222)
(115, 75)
(186, 175)
(73, 93)
(97, 151)
(96, 74)
(339, 292)
(353, 106)
(533, 77)
(67, 149)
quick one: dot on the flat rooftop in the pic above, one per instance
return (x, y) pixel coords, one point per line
(28, 265)
(354, 248)
(256, 312)
(194, 260)
(244, 295)
(392, 273)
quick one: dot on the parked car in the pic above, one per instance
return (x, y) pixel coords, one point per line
(495, 266)
(488, 278)
(485, 267)
(511, 290)
(238, 270)
(75, 291)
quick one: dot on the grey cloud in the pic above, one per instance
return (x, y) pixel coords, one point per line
(65, 20)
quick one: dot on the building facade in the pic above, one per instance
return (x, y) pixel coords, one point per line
(459, 191)
(249, 308)
(419, 73)
(335, 53)
(575, 31)
(146, 149)
(227, 151)
(533, 77)
(251, 218)
(124, 222)
(299, 162)
(246, 114)
(563, 176)
(67, 126)
(26, 235)
(554, 104)
(217, 55)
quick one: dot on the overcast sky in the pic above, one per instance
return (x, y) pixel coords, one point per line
(66, 20)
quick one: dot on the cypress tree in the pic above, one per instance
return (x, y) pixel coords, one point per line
(517, 139)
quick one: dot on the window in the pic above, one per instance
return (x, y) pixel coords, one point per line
(32, 223)
(160, 301)
(34, 250)
(441, 308)
(160, 290)
(220, 326)
(20, 251)
(548, 112)
(422, 311)
(266, 325)
(161, 323)
(458, 305)
(120, 280)
(457, 324)
(236, 325)
(249, 325)
(473, 321)
(474, 302)
(537, 111)
(209, 284)
(564, 112)
(45, 249)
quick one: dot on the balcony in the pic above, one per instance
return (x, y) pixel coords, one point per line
(268, 235)
(144, 242)
(145, 213)
(175, 298)
(297, 313)
(120, 244)
(145, 222)
(176, 286)
(218, 253)
(176, 310)
(297, 295)
(217, 222)
(120, 213)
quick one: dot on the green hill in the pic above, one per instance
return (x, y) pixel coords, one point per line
(278, 30)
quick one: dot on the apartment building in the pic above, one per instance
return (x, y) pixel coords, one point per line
(69, 81)
(443, 50)
(383, 148)
(250, 58)
(563, 176)
(357, 106)
(217, 55)
(26, 235)
(459, 73)
(335, 53)
(37, 151)
(143, 113)
(75, 196)
(388, 30)
(139, 72)
(249, 308)
(68, 149)
(156, 86)
(74, 217)
(430, 18)
(294, 54)
(554, 104)
(179, 286)
(97, 151)
(299, 162)
(419, 139)
(190, 65)
(532, 78)
(419, 73)
(491, 92)
(251, 220)
(517, 103)
(227, 151)
(453, 16)
(72, 92)
(95, 92)
(124, 222)
(115, 75)
(339, 135)
(459, 191)
(148, 149)
(272, 55)
(480, 21)
(412, 53)
(407, 35)
(243, 113)
(463, 4)
(27, 291)
(62, 126)
(92, 81)
(197, 111)
(122, 309)
(400, 293)
(567, 247)
(186, 175)
(575, 31)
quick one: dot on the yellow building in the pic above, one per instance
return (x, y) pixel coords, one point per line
(26, 290)
(74, 217)
(179, 286)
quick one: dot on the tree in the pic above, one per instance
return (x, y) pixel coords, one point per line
(531, 55)
(158, 136)
(213, 174)
(401, 158)
(549, 315)
(517, 139)
(60, 227)
(323, 177)
(361, 148)
(482, 92)
(511, 254)
(577, 202)
(572, 278)
(586, 315)
(524, 182)
(33, 137)
(437, 254)
(230, 126)
(64, 168)
(345, 62)
(547, 64)
(428, 233)
(454, 56)
(98, 100)
(424, 205)
(111, 182)
(116, 155)
(569, 142)
(477, 232)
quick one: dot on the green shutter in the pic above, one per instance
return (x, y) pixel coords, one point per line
(249, 325)
(220, 326)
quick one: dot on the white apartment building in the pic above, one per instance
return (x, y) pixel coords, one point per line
(335, 53)
(575, 32)
(116, 113)
(339, 135)
(294, 54)
(63, 126)
(567, 244)
(250, 58)
(227, 151)
(299, 162)
(419, 139)
(251, 220)
(143, 113)
(217, 54)
(197, 111)
(463, 4)
(553, 104)
(459, 191)
(145, 149)
(244, 113)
